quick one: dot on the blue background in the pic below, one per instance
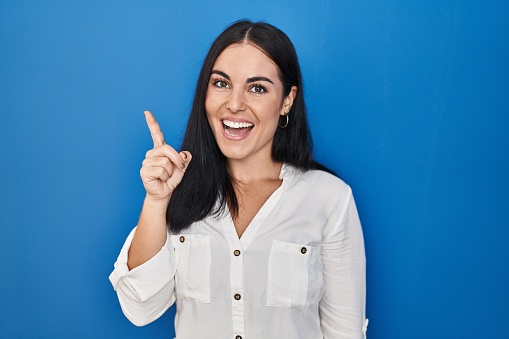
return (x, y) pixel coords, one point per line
(408, 102)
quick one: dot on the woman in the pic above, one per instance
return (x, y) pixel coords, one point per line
(242, 229)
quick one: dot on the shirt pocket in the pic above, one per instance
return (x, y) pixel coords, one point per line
(192, 279)
(295, 276)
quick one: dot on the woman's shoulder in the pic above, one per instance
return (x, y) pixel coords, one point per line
(317, 180)
(325, 179)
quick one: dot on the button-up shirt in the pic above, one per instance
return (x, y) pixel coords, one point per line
(297, 271)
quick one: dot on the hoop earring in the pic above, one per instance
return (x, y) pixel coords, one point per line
(287, 121)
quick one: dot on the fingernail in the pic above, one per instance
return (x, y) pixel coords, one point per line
(184, 154)
(182, 165)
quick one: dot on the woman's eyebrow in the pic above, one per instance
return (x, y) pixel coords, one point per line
(248, 80)
(223, 74)
(254, 79)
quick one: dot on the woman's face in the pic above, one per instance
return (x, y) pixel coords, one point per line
(244, 101)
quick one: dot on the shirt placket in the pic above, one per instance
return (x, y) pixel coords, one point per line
(236, 280)
(237, 290)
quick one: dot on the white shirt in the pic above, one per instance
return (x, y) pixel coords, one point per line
(298, 270)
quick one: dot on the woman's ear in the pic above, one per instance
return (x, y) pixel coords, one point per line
(288, 101)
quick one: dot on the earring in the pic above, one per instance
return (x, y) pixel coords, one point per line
(287, 121)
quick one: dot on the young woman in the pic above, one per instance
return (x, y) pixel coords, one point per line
(243, 229)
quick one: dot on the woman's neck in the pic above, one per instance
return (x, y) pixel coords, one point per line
(251, 171)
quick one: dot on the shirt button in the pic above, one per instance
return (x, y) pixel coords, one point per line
(238, 337)
(182, 238)
(237, 296)
(303, 250)
(236, 253)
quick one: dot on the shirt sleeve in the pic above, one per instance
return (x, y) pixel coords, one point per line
(148, 290)
(342, 307)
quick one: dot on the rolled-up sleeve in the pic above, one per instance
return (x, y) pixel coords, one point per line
(148, 290)
(342, 308)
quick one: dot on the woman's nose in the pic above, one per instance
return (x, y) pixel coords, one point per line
(236, 101)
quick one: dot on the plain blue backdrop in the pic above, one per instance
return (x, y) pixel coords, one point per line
(408, 102)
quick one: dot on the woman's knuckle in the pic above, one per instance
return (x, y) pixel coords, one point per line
(165, 161)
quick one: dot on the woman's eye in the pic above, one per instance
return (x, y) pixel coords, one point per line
(258, 89)
(220, 84)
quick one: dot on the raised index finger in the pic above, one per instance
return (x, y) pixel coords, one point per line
(155, 130)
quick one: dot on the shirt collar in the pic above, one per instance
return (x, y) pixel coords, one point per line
(288, 171)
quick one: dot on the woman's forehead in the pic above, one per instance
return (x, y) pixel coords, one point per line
(244, 58)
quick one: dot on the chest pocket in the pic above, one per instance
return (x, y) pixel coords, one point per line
(192, 279)
(295, 277)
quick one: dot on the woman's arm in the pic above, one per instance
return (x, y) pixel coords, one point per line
(161, 172)
(145, 269)
(150, 234)
(148, 290)
(342, 308)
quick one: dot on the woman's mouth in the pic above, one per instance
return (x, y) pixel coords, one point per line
(236, 128)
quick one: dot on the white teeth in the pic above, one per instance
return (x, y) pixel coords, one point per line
(231, 134)
(234, 124)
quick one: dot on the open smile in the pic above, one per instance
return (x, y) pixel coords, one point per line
(237, 129)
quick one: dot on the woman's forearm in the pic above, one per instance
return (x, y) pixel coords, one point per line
(150, 235)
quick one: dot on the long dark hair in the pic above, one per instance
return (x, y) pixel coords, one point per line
(207, 187)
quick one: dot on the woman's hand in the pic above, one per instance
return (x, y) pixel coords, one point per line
(163, 167)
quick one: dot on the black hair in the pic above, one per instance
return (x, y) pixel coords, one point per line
(207, 187)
